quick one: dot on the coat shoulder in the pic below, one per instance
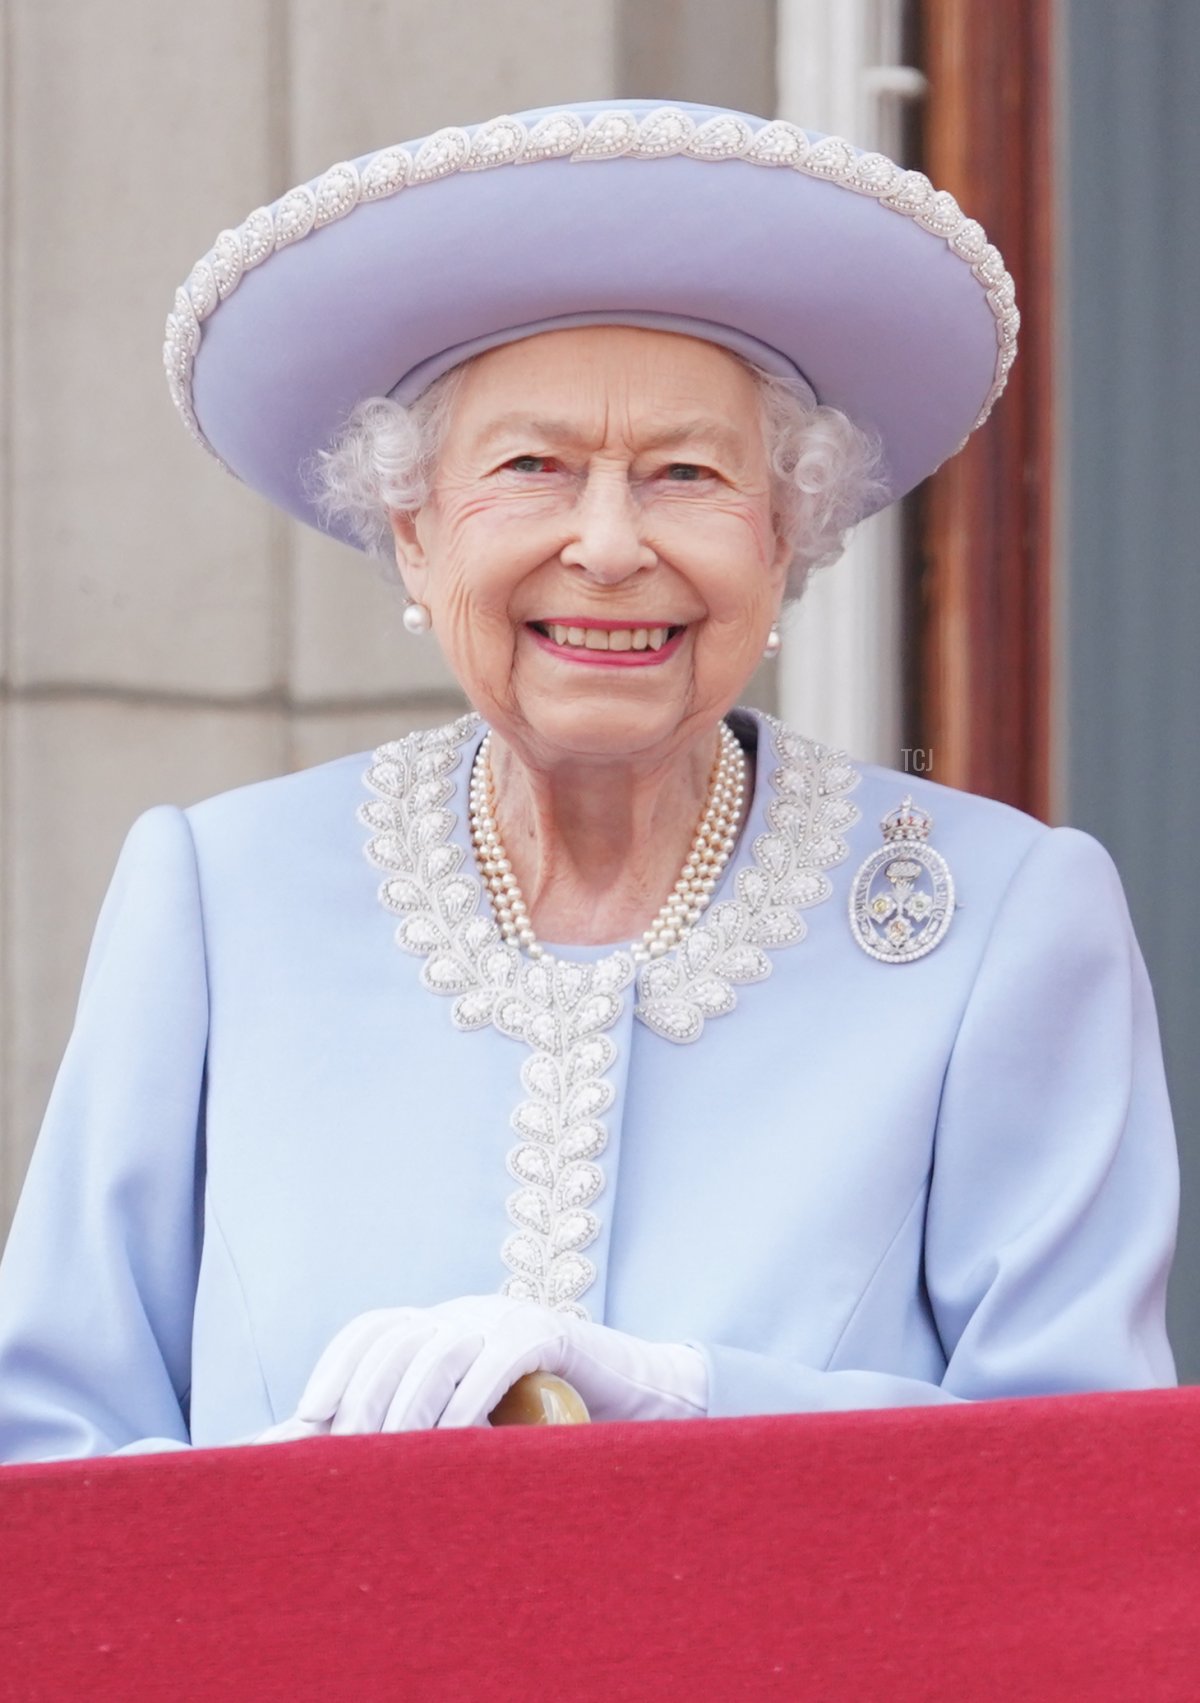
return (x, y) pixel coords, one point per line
(951, 809)
(983, 841)
(282, 798)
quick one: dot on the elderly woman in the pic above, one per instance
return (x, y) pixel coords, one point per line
(665, 1056)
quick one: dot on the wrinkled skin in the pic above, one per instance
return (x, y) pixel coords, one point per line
(617, 475)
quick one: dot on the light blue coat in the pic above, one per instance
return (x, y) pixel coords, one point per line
(857, 1183)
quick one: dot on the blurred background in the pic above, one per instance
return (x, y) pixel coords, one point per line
(1027, 626)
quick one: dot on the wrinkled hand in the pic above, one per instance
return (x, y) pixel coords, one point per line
(416, 1368)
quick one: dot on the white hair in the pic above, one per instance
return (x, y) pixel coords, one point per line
(826, 471)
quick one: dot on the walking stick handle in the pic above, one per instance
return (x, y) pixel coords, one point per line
(540, 1398)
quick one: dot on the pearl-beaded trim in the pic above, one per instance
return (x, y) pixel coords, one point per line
(611, 134)
(563, 1011)
(710, 851)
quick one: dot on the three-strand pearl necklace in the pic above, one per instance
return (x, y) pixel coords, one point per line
(710, 851)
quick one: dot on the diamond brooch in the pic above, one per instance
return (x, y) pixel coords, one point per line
(902, 898)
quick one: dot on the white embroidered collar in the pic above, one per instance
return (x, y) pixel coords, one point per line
(562, 1009)
(433, 887)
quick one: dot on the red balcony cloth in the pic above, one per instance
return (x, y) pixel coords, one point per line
(1042, 1549)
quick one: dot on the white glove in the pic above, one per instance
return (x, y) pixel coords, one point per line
(414, 1368)
(287, 1431)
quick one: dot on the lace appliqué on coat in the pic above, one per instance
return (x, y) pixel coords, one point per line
(562, 1010)
(806, 820)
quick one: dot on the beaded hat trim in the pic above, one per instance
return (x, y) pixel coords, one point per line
(612, 134)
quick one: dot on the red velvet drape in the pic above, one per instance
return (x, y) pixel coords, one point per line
(1042, 1550)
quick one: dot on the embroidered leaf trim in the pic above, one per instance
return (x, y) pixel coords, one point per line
(563, 1010)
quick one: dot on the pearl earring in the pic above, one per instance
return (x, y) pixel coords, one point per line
(774, 643)
(416, 618)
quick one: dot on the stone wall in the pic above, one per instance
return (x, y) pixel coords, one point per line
(163, 635)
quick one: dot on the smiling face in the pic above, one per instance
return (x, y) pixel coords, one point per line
(597, 552)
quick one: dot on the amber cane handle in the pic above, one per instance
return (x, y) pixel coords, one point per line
(540, 1398)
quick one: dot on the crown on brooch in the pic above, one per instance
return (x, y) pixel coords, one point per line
(907, 822)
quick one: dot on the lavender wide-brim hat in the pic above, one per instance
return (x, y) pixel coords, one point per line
(798, 251)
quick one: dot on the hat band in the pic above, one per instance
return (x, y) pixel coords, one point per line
(737, 342)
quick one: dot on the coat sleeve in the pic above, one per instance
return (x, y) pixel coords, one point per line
(98, 1279)
(1053, 1198)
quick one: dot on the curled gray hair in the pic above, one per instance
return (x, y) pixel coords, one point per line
(826, 471)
